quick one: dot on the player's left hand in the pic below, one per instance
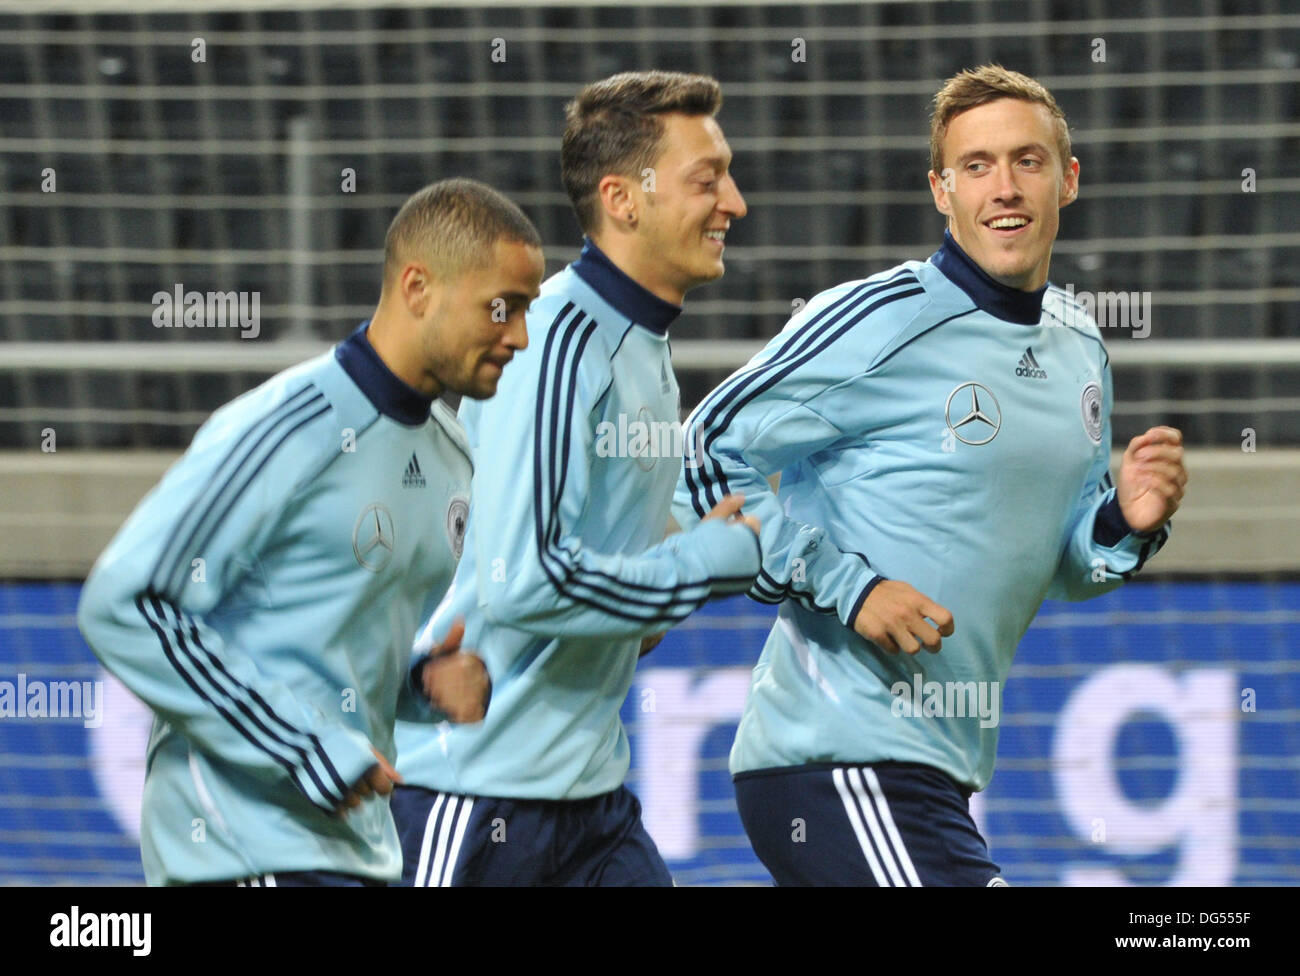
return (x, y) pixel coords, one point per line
(1151, 478)
(457, 681)
(379, 778)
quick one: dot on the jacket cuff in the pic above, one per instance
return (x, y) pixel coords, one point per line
(415, 678)
(732, 562)
(862, 598)
(338, 762)
(1109, 528)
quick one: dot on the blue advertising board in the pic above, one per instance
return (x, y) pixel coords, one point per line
(1150, 737)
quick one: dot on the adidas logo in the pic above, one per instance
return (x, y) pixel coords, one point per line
(414, 477)
(1029, 367)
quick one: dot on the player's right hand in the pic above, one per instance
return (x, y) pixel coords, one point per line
(729, 508)
(379, 778)
(455, 680)
(893, 616)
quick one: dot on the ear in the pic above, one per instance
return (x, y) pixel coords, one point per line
(617, 200)
(940, 186)
(418, 288)
(1070, 183)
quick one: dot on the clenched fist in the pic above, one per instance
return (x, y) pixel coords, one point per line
(1151, 478)
(456, 681)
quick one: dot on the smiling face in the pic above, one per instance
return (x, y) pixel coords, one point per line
(1005, 190)
(680, 219)
(477, 323)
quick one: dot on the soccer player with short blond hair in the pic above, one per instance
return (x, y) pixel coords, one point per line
(942, 434)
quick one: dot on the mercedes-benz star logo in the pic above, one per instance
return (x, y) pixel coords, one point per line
(984, 414)
(373, 537)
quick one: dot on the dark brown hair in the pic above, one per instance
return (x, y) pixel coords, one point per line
(616, 126)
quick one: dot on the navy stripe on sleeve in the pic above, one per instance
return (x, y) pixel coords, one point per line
(729, 406)
(559, 474)
(233, 687)
(1150, 547)
(178, 547)
(555, 406)
(188, 666)
(234, 496)
(768, 589)
(553, 433)
(805, 597)
(317, 749)
(720, 407)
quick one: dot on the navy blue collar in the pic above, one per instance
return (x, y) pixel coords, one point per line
(391, 397)
(999, 300)
(631, 299)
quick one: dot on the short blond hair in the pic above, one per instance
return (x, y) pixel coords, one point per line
(979, 86)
